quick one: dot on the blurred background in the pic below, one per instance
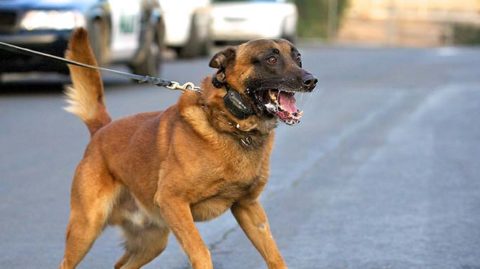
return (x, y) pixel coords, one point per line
(414, 23)
(142, 33)
(382, 172)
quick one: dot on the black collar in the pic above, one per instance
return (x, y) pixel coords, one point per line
(234, 101)
(237, 105)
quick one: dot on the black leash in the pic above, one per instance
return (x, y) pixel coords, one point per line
(172, 85)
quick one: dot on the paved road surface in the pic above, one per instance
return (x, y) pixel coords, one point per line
(383, 172)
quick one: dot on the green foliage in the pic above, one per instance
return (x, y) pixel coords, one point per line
(313, 16)
(466, 34)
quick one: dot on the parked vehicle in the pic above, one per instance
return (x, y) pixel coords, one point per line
(242, 20)
(187, 26)
(130, 32)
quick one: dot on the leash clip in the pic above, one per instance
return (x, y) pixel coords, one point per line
(189, 86)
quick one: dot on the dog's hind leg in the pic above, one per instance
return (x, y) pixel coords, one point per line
(93, 194)
(142, 246)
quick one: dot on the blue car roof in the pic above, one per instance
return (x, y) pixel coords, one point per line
(46, 4)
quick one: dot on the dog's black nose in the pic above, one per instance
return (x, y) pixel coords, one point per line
(309, 81)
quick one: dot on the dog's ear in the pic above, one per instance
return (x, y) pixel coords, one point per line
(223, 58)
(220, 61)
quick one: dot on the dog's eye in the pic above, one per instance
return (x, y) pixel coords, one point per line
(272, 60)
(299, 60)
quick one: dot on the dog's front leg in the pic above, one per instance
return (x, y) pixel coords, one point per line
(253, 220)
(178, 216)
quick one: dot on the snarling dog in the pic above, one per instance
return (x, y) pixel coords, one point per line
(152, 173)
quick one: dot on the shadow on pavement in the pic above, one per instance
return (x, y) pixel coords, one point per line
(30, 88)
(54, 86)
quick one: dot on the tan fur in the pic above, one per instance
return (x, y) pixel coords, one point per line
(86, 98)
(152, 173)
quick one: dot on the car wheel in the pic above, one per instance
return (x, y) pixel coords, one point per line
(207, 47)
(292, 37)
(99, 34)
(150, 65)
(195, 46)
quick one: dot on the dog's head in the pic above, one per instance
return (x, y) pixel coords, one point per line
(266, 74)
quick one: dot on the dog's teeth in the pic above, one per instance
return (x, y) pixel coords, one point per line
(271, 107)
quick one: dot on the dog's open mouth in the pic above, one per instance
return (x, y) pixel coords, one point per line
(283, 105)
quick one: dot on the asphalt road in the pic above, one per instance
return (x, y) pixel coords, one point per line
(383, 172)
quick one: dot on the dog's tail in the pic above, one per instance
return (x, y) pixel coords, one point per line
(86, 98)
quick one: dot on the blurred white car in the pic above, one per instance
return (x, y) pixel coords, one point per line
(187, 26)
(241, 20)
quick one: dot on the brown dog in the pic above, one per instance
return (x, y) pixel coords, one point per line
(157, 172)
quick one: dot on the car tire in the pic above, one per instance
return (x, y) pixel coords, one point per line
(151, 63)
(195, 46)
(99, 40)
(292, 37)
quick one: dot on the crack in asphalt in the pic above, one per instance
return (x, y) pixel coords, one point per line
(213, 246)
(346, 134)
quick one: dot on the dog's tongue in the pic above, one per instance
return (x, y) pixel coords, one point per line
(287, 102)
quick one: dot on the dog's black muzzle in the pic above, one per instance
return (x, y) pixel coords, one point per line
(309, 81)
